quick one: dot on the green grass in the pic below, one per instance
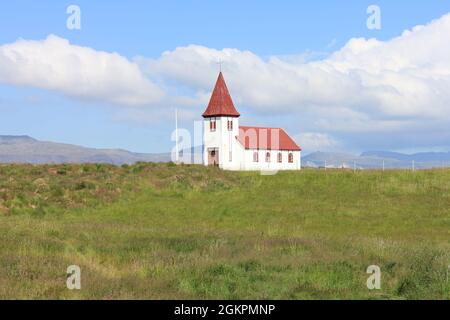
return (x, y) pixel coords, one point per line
(161, 231)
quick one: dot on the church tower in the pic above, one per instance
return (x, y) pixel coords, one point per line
(221, 129)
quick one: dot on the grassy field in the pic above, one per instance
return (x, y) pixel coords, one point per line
(159, 231)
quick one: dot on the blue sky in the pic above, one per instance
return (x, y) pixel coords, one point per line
(296, 34)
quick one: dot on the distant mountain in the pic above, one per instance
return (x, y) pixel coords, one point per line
(16, 139)
(376, 159)
(24, 149)
(344, 160)
(421, 156)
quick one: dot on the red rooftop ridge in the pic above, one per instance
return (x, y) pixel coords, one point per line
(266, 138)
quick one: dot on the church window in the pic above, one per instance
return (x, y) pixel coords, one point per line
(280, 157)
(291, 157)
(255, 156)
(212, 125)
(267, 156)
(230, 125)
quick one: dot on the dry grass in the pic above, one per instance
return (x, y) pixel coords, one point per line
(163, 231)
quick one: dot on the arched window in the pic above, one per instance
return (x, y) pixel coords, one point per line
(267, 156)
(291, 157)
(280, 157)
(212, 124)
(255, 156)
(230, 125)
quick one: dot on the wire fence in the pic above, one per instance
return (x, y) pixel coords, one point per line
(412, 165)
(196, 157)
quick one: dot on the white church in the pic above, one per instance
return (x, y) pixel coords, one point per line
(233, 147)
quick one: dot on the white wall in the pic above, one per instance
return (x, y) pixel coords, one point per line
(223, 139)
(242, 159)
(248, 164)
(210, 139)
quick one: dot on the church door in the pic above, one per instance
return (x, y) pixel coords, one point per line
(213, 156)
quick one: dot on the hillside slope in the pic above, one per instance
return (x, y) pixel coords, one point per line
(159, 231)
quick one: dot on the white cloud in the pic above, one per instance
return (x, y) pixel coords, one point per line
(314, 141)
(368, 86)
(381, 85)
(76, 71)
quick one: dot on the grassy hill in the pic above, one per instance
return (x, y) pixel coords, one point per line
(162, 231)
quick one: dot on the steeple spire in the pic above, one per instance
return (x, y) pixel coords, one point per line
(220, 103)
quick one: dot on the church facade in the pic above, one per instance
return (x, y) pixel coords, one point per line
(230, 146)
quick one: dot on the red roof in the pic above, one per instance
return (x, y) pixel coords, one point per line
(266, 138)
(220, 103)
